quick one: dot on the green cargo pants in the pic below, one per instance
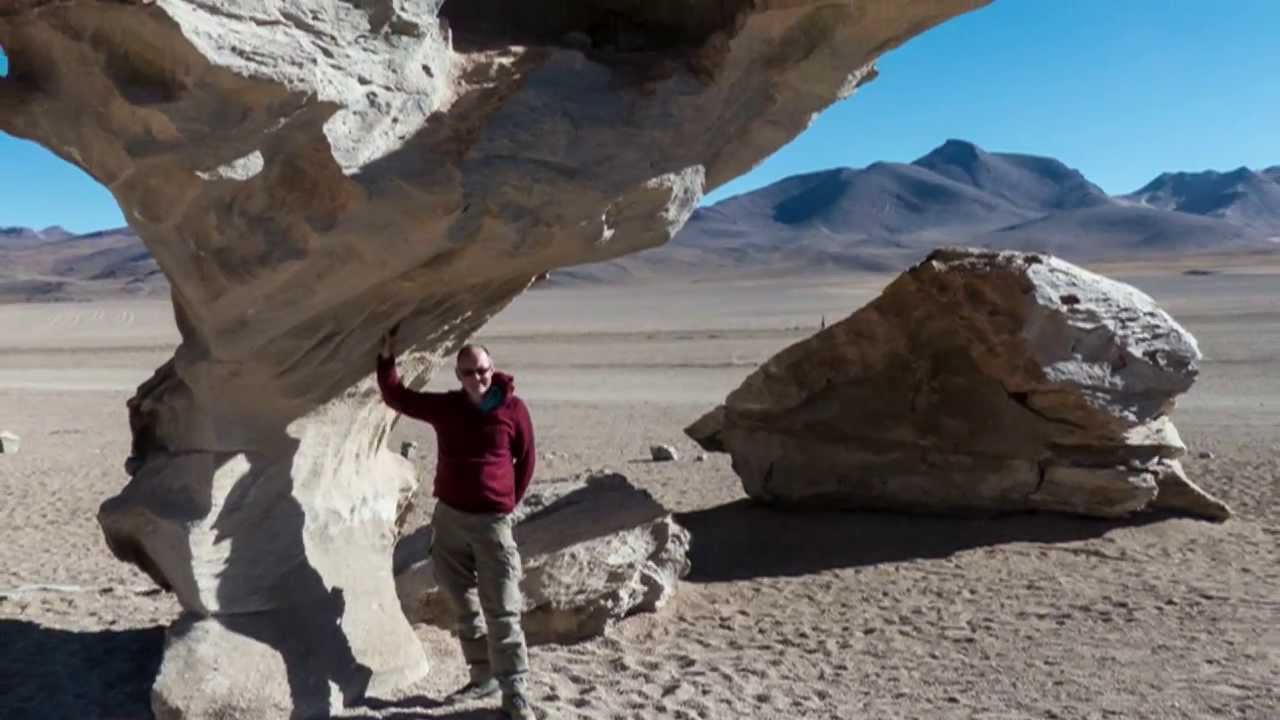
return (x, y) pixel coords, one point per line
(477, 566)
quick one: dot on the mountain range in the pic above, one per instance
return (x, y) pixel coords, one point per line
(879, 218)
(887, 216)
(54, 264)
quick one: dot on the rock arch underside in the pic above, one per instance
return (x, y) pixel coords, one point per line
(309, 173)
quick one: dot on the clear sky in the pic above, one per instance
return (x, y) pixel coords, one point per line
(1121, 90)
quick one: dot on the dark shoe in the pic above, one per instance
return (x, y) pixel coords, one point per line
(517, 707)
(475, 690)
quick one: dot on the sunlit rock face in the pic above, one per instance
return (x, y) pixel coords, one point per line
(595, 549)
(308, 173)
(977, 381)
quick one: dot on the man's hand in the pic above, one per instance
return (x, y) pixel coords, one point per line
(389, 342)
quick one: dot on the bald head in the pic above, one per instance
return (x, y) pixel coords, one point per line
(474, 368)
(470, 352)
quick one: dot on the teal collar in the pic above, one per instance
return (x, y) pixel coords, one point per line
(493, 397)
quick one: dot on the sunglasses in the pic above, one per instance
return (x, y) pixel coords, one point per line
(478, 372)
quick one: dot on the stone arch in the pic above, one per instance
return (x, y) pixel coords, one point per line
(301, 206)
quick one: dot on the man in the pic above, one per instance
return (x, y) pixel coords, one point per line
(485, 459)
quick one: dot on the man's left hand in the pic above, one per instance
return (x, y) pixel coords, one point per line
(389, 342)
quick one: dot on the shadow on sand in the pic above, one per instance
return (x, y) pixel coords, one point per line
(745, 539)
(107, 675)
(413, 708)
(397, 712)
(51, 674)
(100, 675)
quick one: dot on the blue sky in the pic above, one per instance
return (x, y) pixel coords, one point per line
(1119, 89)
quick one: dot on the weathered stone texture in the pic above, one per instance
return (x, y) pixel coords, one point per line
(976, 381)
(595, 549)
(309, 173)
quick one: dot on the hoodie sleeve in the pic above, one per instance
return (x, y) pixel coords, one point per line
(426, 406)
(523, 452)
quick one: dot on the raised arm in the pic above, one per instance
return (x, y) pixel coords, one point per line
(426, 406)
(523, 451)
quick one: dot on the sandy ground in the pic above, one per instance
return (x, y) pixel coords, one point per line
(785, 615)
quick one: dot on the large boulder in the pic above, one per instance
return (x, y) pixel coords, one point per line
(307, 174)
(595, 549)
(977, 381)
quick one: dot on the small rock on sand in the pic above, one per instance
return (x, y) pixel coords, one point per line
(663, 453)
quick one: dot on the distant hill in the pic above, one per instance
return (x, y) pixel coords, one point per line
(1118, 231)
(13, 238)
(1242, 196)
(1025, 181)
(888, 215)
(879, 218)
(55, 265)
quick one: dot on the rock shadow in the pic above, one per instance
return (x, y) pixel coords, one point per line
(414, 702)
(420, 707)
(50, 673)
(402, 714)
(266, 587)
(596, 25)
(303, 622)
(745, 539)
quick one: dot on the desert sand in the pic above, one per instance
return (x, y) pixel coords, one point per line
(785, 614)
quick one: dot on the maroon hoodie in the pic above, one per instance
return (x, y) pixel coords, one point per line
(485, 459)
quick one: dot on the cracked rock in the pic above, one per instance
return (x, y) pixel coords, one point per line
(977, 381)
(595, 549)
(309, 174)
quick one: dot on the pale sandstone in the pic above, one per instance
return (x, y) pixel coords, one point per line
(596, 549)
(977, 381)
(309, 173)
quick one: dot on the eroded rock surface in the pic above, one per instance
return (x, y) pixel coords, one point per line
(976, 381)
(595, 549)
(309, 173)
